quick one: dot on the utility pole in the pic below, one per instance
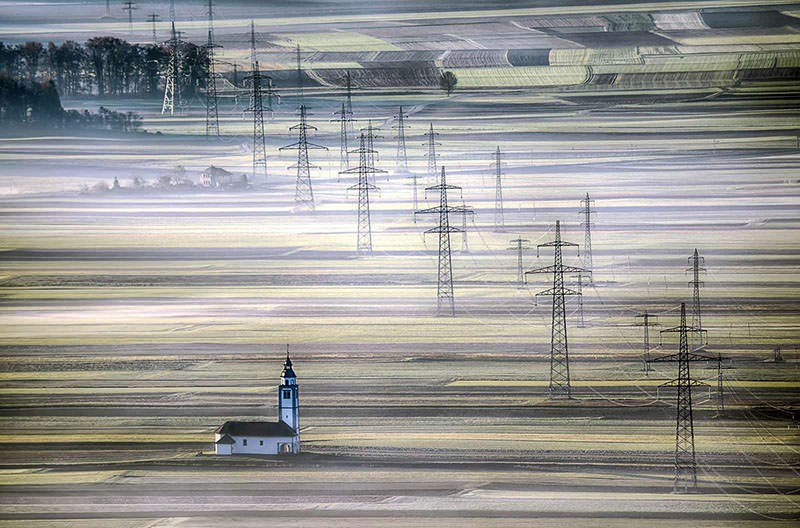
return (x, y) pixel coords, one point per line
(445, 301)
(212, 113)
(304, 192)
(685, 463)
(696, 263)
(130, 7)
(720, 390)
(646, 320)
(172, 84)
(520, 245)
(153, 18)
(172, 10)
(431, 143)
(499, 220)
(559, 351)
(586, 213)
(364, 238)
(259, 140)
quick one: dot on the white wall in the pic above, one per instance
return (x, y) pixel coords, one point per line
(259, 445)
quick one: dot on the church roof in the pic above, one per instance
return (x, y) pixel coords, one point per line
(226, 439)
(256, 429)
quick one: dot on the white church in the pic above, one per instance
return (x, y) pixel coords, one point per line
(266, 438)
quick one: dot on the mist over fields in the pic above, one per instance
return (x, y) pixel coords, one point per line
(151, 276)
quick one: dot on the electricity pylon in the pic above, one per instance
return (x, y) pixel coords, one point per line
(349, 89)
(212, 111)
(464, 238)
(299, 78)
(685, 462)
(646, 320)
(171, 84)
(369, 136)
(153, 18)
(431, 154)
(130, 7)
(696, 263)
(401, 157)
(579, 289)
(499, 219)
(520, 245)
(257, 108)
(172, 10)
(586, 212)
(304, 192)
(364, 237)
(559, 386)
(253, 58)
(344, 118)
(445, 301)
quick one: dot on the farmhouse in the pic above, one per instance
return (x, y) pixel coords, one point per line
(216, 177)
(266, 438)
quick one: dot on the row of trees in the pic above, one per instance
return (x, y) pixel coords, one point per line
(38, 103)
(103, 66)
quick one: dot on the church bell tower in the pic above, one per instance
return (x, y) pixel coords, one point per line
(288, 401)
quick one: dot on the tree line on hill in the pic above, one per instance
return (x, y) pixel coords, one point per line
(103, 66)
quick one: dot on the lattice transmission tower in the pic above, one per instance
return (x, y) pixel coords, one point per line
(685, 462)
(364, 234)
(445, 300)
(696, 263)
(646, 320)
(304, 192)
(586, 221)
(401, 156)
(212, 110)
(559, 386)
(153, 18)
(370, 136)
(257, 92)
(520, 245)
(172, 82)
(343, 118)
(130, 7)
(431, 143)
(499, 218)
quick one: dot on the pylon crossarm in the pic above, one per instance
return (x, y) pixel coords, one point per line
(448, 229)
(675, 383)
(440, 187)
(554, 244)
(558, 291)
(369, 186)
(359, 170)
(309, 165)
(553, 269)
(689, 357)
(296, 145)
(678, 329)
(303, 126)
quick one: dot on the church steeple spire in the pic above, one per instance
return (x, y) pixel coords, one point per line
(288, 395)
